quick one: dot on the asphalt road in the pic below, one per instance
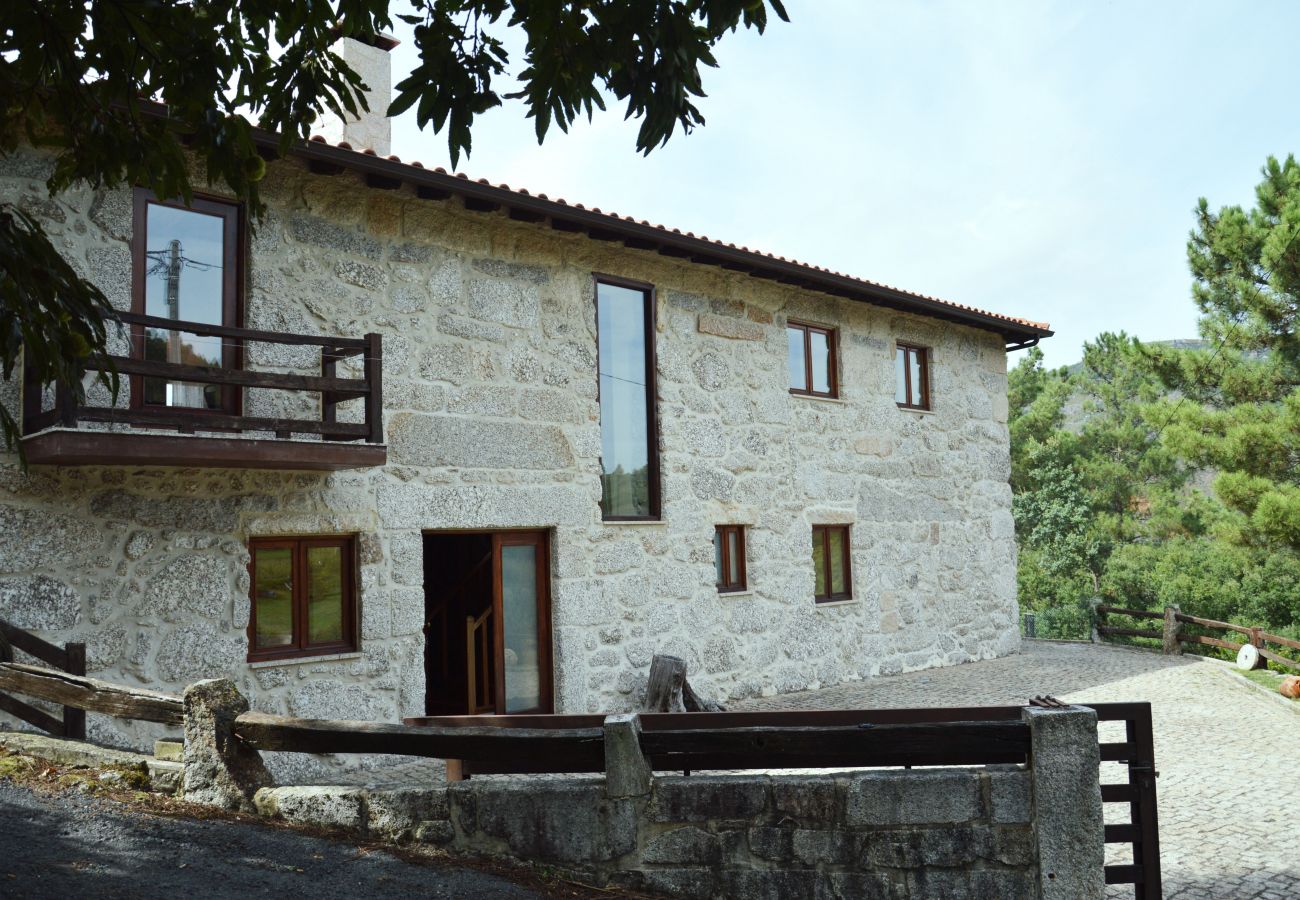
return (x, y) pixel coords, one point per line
(68, 845)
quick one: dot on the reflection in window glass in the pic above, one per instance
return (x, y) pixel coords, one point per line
(820, 348)
(733, 556)
(819, 562)
(798, 369)
(324, 595)
(273, 583)
(184, 279)
(519, 624)
(721, 576)
(900, 376)
(625, 402)
(836, 537)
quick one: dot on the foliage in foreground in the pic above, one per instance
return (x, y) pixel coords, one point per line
(89, 79)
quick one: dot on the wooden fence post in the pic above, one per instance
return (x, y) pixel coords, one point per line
(74, 719)
(1172, 646)
(1257, 641)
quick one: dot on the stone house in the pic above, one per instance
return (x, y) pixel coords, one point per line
(417, 443)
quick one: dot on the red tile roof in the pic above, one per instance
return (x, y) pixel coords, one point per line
(609, 225)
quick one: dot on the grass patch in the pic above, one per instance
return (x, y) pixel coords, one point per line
(1262, 677)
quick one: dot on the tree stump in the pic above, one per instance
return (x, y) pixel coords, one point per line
(663, 692)
(669, 691)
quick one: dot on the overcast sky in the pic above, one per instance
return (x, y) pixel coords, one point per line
(1034, 158)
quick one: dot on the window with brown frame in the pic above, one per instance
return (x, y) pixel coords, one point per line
(811, 360)
(833, 571)
(185, 267)
(729, 558)
(629, 425)
(303, 597)
(912, 377)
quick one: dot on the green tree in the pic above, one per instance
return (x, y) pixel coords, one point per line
(1240, 410)
(159, 93)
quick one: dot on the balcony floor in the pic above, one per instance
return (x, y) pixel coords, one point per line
(60, 447)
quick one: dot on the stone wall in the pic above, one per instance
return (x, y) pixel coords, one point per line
(492, 422)
(1006, 832)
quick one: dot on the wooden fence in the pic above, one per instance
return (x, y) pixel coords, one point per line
(1172, 635)
(958, 736)
(70, 658)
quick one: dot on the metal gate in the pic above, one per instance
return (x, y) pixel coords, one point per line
(1142, 831)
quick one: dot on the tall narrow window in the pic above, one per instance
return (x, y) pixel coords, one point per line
(811, 360)
(729, 558)
(185, 271)
(912, 377)
(831, 566)
(628, 433)
(303, 597)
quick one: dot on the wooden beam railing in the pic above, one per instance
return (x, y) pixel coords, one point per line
(1174, 637)
(91, 694)
(70, 659)
(67, 412)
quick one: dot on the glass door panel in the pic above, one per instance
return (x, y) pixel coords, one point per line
(185, 280)
(519, 627)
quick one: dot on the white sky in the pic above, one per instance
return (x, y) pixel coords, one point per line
(1036, 158)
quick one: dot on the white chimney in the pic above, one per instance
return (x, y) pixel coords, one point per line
(371, 130)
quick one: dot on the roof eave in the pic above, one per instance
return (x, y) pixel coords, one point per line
(384, 173)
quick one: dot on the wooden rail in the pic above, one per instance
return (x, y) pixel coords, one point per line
(70, 658)
(91, 694)
(1174, 637)
(68, 412)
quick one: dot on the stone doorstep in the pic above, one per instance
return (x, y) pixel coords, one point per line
(164, 775)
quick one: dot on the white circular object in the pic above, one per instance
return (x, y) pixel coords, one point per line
(1247, 657)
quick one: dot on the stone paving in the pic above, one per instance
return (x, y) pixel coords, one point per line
(1229, 786)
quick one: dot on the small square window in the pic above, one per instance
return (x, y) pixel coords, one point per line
(912, 377)
(811, 360)
(831, 567)
(729, 558)
(303, 597)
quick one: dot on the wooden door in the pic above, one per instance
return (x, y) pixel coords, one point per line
(521, 615)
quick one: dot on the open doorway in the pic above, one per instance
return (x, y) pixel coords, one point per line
(487, 623)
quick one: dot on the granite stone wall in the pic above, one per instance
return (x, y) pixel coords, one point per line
(492, 422)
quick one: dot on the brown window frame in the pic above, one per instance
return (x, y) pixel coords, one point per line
(653, 475)
(832, 362)
(300, 647)
(847, 593)
(232, 288)
(720, 533)
(923, 355)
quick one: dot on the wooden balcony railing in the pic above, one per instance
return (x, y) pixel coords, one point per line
(68, 413)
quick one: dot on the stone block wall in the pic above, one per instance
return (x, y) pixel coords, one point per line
(875, 834)
(492, 422)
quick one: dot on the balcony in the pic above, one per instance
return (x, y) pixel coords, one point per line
(345, 431)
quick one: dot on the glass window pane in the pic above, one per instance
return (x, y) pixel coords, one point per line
(918, 398)
(837, 560)
(733, 551)
(519, 624)
(820, 346)
(184, 279)
(796, 361)
(624, 401)
(324, 595)
(717, 556)
(900, 375)
(273, 583)
(819, 563)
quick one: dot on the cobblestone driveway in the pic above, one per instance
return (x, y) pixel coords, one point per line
(1229, 757)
